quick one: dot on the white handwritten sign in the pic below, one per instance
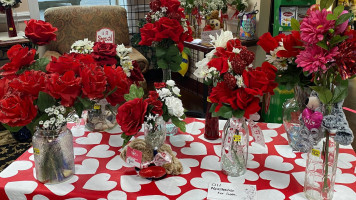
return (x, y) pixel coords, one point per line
(105, 35)
(229, 191)
(133, 157)
(205, 39)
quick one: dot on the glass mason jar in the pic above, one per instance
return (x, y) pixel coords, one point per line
(292, 109)
(155, 136)
(234, 151)
(320, 171)
(102, 117)
(54, 157)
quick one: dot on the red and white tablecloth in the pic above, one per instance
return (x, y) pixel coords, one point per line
(276, 170)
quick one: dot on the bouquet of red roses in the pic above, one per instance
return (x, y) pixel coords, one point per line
(166, 29)
(238, 86)
(162, 104)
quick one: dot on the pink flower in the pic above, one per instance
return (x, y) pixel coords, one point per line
(314, 58)
(315, 25)
(342, 27)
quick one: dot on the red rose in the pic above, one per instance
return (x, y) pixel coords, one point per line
(40, 32)
(19, 57)
(30, 82)
(270, 72)
(159, 85)
(66, 87)
(86, 59)
(290, 42)
(4, 86)
(269, 43)
(186, 36)
(136, 74)
(148, 32)
(104, 53)
(220, 64)
(168, 29)
(247, 102)
(117, 78)
(93, 81)
(63, 64)
(256, 82)
(172, 5)
(234, 43)
(130, 115)
(155, 103)
(17, 110)
(221, 94)
(155, 5)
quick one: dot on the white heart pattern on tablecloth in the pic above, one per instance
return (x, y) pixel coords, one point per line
(196, 193)
(91, 138)
(132, 183)
(116, 141)
(77, 198)
(257, 149)
(344, 178)
(14, 168)
(346, 146)
(39, 197)
(88, 166)
(284, 135)
(187, 164)
(117, 163)
(206, 178)
(30, 150)
(100, 151)
(298, 196)
(16, 190)
(285, 151)
(344, 193)
(194, 128)
(276, 163)
(268, 134)
(217, 150)
(173, 182)
(277, 180)
(78, 131)
(249, 175)
(344, 161)
(217, 141)
(273, 125)
(115, 130)
(302, 161)
(211, 163)
(78, 151)
(100, 182)
(196, 148)
(251, 164)
(270, 194)
(116, 194)
(300, 177)
(180, 140)
(62, 188)
(32, 157)
(152, 197)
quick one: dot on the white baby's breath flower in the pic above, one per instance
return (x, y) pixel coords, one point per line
(46, 110)
(40, 122)
(82, 46)
(7, 2)
(46, 124)
(176, 91)
(52, 119)
(239, 81)
(56, 112)
(171, 83)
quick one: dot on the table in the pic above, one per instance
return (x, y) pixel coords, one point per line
(276, 170)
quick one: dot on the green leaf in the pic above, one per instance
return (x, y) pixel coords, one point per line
(31, 126)
(331, 17)
(126, 138)
(40, 65)
(160, 52)
(180, 124)
(324, 94)
(172, 51)
(337, 39)
(341, 91)
(323, 45)
(135, 92)
(12, 128)
(87, 104)
(238, 113)
(45, 101)
(338, 10)
(343, 18)
(162, 64)
(295, 24)
(225, 112)
(212, 108)
(79, 107)
(187, 51)
(111, 92)
(326, 3)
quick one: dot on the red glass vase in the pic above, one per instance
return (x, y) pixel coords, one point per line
(11, 29)
(211, 125)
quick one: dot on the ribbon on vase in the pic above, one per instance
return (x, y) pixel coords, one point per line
(197, 15)
(159, 159)
(236, 12)
(257, 133)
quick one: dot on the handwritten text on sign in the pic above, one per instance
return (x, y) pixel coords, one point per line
(105, 35)
(229, 191)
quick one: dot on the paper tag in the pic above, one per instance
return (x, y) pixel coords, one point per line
(237, 138)
(36, 151)
(315, 152)
(227, 191)
(205, 39)
(97, 107)
(133, 157)
(105, 35)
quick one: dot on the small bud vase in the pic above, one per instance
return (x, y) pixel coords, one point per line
(155, 135)
(102, 117)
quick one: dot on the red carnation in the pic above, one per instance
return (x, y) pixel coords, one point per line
(104, 53)
(66, 87)
(247, 102)
(19, 57)
(93, 81)
(30, 82)
(159, 85)
(291, 43)
(116, 78)
(155, 103)
(40, 32)
(148, 32)
(65, 63)
(220, 64)
(130, 115)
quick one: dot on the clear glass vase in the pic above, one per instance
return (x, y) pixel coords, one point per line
(234, 149)
(102, 117)
(292, 108)
(54, 157)
(155, 135)
(320, 171)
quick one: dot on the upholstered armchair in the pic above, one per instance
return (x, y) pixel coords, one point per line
(79, 22)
